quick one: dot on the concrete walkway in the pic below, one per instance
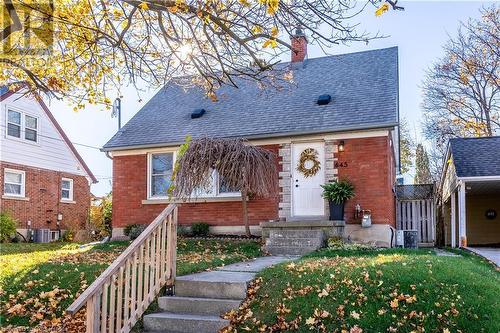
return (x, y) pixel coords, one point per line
(490, 253)
(200, 299)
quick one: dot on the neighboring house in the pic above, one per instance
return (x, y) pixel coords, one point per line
(470, 187)
(355, 135)
(45, 182)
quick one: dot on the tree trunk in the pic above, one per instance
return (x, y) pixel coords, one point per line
(245, 212)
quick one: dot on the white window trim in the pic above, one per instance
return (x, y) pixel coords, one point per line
(215, 184)
(70, 199)
(23, 183)
(23, 125)
(149, 176)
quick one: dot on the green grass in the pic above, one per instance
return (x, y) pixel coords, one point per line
(40, 280)
(335, 290)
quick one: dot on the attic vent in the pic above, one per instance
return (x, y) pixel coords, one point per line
(324, 99)
(197, 113)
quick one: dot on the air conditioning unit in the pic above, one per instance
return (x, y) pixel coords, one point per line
(41, 235)
(407, 239)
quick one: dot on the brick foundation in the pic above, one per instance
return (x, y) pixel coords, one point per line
(43, 189)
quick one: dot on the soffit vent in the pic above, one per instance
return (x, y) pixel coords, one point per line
(197, 113)
(324, 99)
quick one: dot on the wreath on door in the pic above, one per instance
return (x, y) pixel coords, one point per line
(309, 169)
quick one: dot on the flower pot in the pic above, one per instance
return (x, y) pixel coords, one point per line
(336, 211)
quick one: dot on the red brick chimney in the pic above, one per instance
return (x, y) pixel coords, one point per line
(299, 45)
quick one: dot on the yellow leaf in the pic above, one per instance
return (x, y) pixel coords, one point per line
(382, 9)
(323, 293)
(144, 6)
(394, 303)
(257, 29)
(310, 321)
(270, 42)
(446, 330)
(274, 32)
(245, 3)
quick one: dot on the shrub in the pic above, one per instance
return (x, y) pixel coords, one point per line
(100, 217)
(338, 192)
(136, 230)
(7, 226)
(128, 228)
(200, 229)
(68, 236)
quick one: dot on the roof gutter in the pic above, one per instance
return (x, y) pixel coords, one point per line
(260, 136)
(479, 178)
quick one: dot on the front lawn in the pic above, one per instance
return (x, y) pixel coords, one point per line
(38, 281)
(374, 291)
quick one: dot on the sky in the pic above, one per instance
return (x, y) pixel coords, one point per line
(419, 32)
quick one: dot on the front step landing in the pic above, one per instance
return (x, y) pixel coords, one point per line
(294, 241)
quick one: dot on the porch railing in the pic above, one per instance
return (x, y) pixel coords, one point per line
(121, 294)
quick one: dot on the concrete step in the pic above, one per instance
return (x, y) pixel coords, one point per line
(297, 233)
(295, 242)
(197, 305)
(215, 284)
(166, 322)
(290, 250)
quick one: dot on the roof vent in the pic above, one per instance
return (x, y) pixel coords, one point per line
(197, 113)
(324, 99)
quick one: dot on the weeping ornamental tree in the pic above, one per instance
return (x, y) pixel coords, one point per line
(249, 169)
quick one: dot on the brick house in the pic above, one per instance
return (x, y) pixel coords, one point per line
(354, 131)
(45, 182)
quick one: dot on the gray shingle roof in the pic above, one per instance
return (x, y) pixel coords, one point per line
(363, 86)
(475, 157)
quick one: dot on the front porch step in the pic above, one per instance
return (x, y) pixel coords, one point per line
(297, 233)
(215, 284)
(167, 322)
(197, 305)
(295, 242)
(291, 250)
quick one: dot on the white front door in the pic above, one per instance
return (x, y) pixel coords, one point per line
(306, 189)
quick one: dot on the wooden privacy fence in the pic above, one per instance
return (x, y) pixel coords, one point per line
(417, 215)
(121, 294)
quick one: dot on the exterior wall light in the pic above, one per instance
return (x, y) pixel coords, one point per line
(59, 217)
(341, 145)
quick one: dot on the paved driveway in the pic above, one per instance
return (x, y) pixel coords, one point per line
(490, 253)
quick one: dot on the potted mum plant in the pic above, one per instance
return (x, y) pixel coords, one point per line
(337, 193)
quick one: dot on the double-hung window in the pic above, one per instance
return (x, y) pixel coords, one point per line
(14, 123)
(14, 183)
(22, 126)
(30, 128)
(67, 189)
(161, 167)
(160, 171)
